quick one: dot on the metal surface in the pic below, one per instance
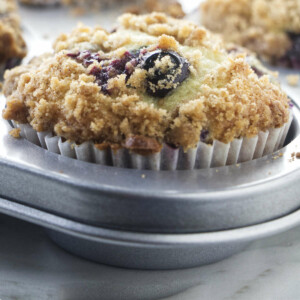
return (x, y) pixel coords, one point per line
(151, 201)
(145, 250)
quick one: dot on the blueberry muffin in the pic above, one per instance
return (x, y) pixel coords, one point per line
(271, 28)
(153, 82)
(91, 3)
(12, 45)
(40, 2)
(170, 7)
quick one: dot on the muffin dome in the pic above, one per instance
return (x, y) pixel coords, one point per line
(154, 78)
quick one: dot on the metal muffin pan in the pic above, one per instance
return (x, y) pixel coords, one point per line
(151, 201)
(147, 250)
(150, 219)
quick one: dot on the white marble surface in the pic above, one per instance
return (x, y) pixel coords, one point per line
(32, 267)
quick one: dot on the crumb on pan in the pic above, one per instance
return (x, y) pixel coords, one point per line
(15, 133)
(293, 80)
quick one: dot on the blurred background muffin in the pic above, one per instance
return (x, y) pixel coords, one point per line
(271, 28)
(12, 44)
(170, 7)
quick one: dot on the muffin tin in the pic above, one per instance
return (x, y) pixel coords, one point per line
(149, 219)
(147, 251)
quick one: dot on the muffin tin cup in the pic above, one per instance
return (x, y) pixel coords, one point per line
(204, 156)
(148, 201)
(147, 251)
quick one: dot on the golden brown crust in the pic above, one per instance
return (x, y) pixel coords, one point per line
(222, 94)
(260, 25)
(12, 45)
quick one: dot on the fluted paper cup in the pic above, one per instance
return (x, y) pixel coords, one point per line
(203, 156)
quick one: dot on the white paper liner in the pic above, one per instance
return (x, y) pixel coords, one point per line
(203, 156)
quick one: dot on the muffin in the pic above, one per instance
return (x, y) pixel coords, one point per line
(271, 28)
(12, 45)
(79, 3)
(91, 3)
(157, 93)
(171, 7)
(40, 2)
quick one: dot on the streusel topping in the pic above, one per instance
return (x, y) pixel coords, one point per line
(154, 77)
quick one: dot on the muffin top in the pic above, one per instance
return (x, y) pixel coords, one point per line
(153, 77)
(261, 25)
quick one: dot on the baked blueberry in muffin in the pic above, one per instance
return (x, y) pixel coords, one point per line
(155, 81)
(12, 45)
(271, 28)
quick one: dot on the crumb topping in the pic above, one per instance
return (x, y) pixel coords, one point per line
(15, 133)
(260, 25)
(220, 96)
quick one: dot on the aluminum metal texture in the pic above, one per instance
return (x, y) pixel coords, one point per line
(151, 201)
(146, 250)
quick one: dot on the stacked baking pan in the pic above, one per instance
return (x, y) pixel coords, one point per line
(150, 219)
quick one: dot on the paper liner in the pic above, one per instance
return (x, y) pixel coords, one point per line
(203, 156)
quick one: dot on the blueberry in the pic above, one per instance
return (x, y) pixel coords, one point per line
(12, 62)
(204, 135)
(257, 71)
(292, 56)
(163, 74)
(166, 70)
